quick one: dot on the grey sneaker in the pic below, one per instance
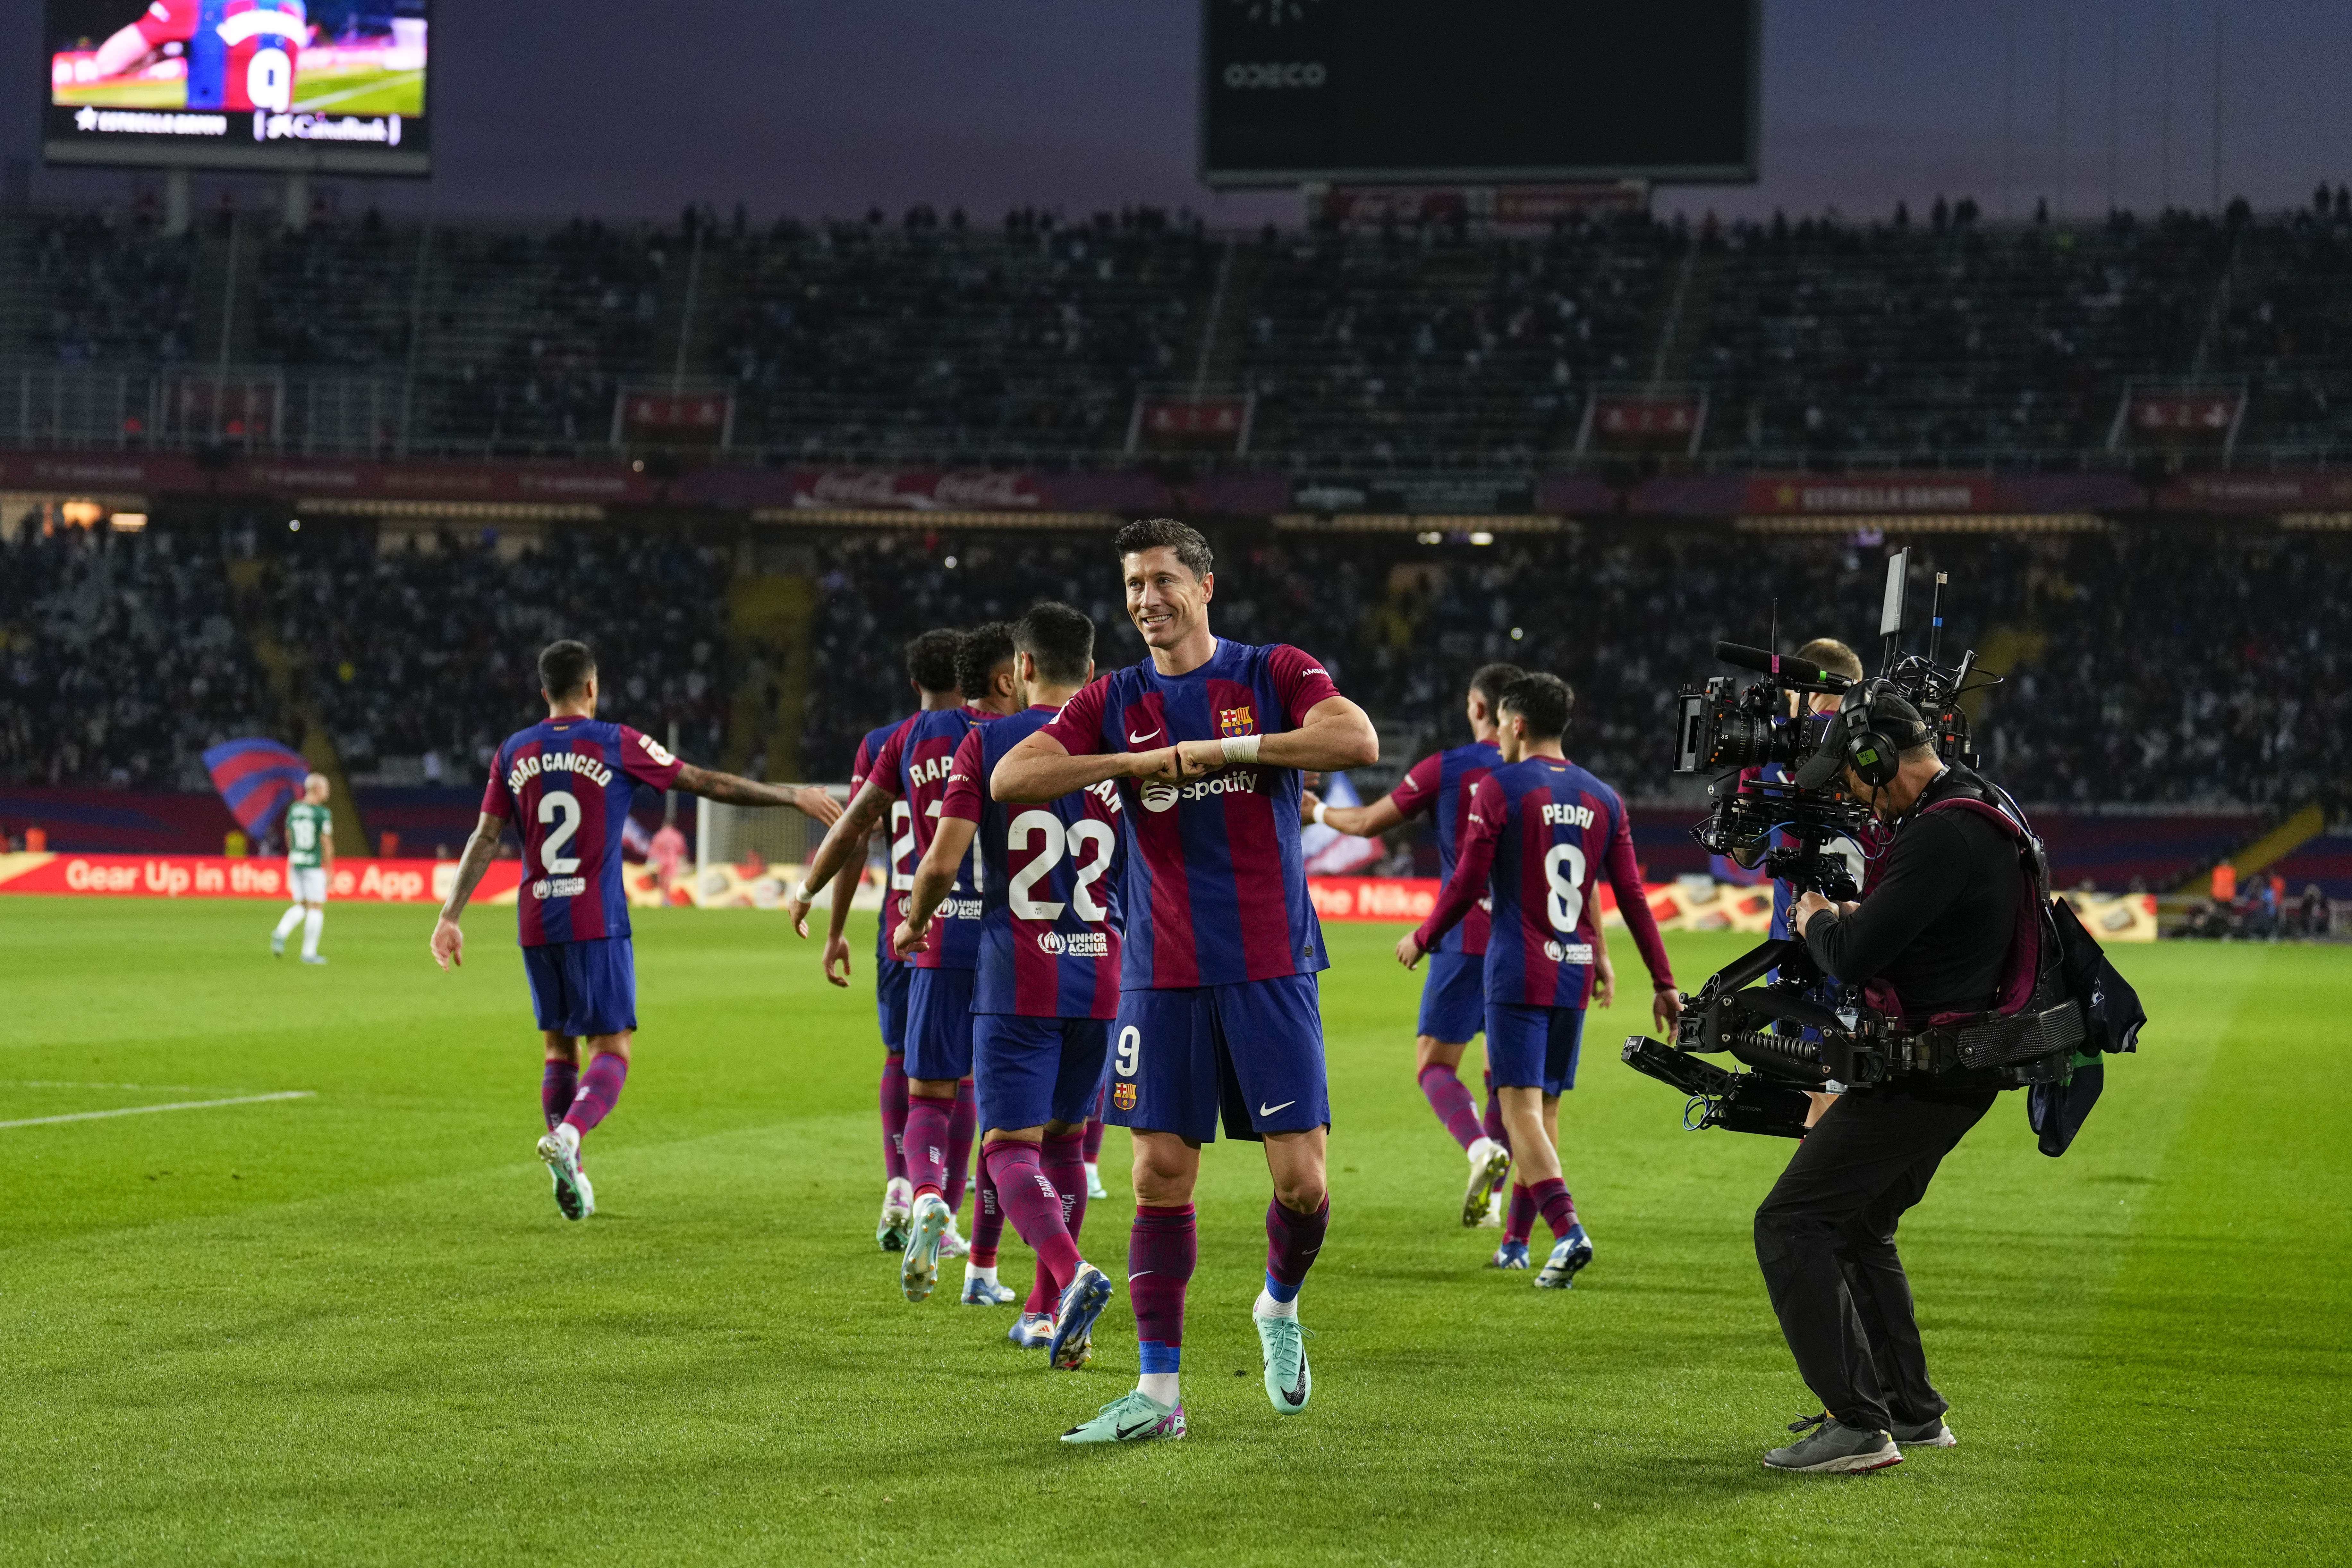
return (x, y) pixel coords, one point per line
(1825, 1446)
(1929, 1434)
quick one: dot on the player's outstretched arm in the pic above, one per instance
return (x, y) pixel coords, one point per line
(1355, 821)
(835, 962)
(448, 942)
(810, 800)
(846, 835)
(935, 877)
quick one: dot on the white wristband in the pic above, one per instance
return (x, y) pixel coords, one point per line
(1242, 748)
(803, 894)
(1321, 810)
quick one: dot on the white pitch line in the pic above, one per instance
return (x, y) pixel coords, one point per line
(310, 105)
(150, 1110)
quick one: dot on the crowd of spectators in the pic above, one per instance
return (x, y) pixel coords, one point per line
(2163, 676)
(423, 657)
(91, 291)
(120, 660)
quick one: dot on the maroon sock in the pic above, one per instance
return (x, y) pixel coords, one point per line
(1493, 1122)
(1521, 1222)
(1161, 1250)
(1043, 1297)
(1063, 1162)
(927, 1142)
(893, 1094)
(557, 1085)
(1550, 1196)
(1442, 1087)
(600, 1088)
(1026, 1196)
(987, 1218)
(1094, 1139)
(963, 1123)
(1292, 1240)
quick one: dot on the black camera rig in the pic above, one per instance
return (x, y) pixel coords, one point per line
(1802, 1030)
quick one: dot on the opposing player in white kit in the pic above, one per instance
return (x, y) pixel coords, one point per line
(309, 862)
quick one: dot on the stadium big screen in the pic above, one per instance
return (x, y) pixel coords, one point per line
(1490, 91)
(331, 85)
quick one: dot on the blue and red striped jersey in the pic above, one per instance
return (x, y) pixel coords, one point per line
(1214, 892)
(1049, 894)
(1441, 784)
(566, 785)
(899, 824)
(1541, 832)
(914, 764)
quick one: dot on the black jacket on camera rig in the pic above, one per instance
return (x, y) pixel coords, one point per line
(1960, 969)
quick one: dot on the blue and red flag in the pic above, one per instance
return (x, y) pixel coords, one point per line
(256, 779)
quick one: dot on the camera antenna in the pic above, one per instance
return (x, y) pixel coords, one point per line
(1890, 613)
(1936, 617)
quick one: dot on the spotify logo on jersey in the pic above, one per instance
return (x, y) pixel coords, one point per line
(1158, 797)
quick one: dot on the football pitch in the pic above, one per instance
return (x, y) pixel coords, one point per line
(350, 1327)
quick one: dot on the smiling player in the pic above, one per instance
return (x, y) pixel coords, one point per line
(1219, 1018)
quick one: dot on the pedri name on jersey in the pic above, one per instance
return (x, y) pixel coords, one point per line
(1567, 816)
(585, 764)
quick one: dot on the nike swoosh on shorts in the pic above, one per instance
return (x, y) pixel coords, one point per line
(1270, 1110)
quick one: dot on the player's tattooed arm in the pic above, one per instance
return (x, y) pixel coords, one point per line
(846, 835)
(1336, 735)
(448, 942)
(812, 800)
(935, 877)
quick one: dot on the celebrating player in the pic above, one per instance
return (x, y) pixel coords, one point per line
(913, 767)
(1218, 1008)
(310, 864)
(1047, 983)
(1540, 831)
(1454, 996)
(566, 783)
(931, 671)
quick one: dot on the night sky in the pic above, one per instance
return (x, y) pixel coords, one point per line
(630, 110)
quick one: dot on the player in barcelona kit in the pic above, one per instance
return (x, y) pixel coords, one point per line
(565, 785)
(931, 671)
(1541, 831)
(309, 862)
(1454, 996)
(242, 55)
(913, 768)
(1046, 984)
(1218, 1016)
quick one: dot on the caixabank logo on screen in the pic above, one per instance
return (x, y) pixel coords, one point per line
(267, 125)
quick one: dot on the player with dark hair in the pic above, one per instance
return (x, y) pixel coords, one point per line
(913, 767)
(566, 783)
(1541, 830)
(930, 670)
(1453, 997)
(1047, 983)
(1218, 1016)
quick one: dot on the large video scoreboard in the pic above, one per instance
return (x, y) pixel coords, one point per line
(1478, 91)
(331, 85)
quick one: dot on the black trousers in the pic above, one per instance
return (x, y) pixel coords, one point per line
(1825, 1237)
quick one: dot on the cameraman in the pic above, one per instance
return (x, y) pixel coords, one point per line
(1934, 928)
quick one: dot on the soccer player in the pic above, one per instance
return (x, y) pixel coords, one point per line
(931, 671)
(566, 783)
(310, 865)
(1453, 997)
(1541, 830)
(913, 767)
(1218, 1010)
(1046, 985)
(241, 53)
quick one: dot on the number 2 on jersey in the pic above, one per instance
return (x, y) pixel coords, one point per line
(564, 804)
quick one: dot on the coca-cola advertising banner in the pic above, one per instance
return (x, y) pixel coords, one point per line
(919, 490)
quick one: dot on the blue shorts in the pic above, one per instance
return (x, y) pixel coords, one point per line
(583, 987)
(1252, 1051)
(939, 1023)
(1454, 996)
(1030, 1072)
(890, 982)
(1534, 1047)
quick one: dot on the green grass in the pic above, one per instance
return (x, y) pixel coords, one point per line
(360, 89)
(351, 1329)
